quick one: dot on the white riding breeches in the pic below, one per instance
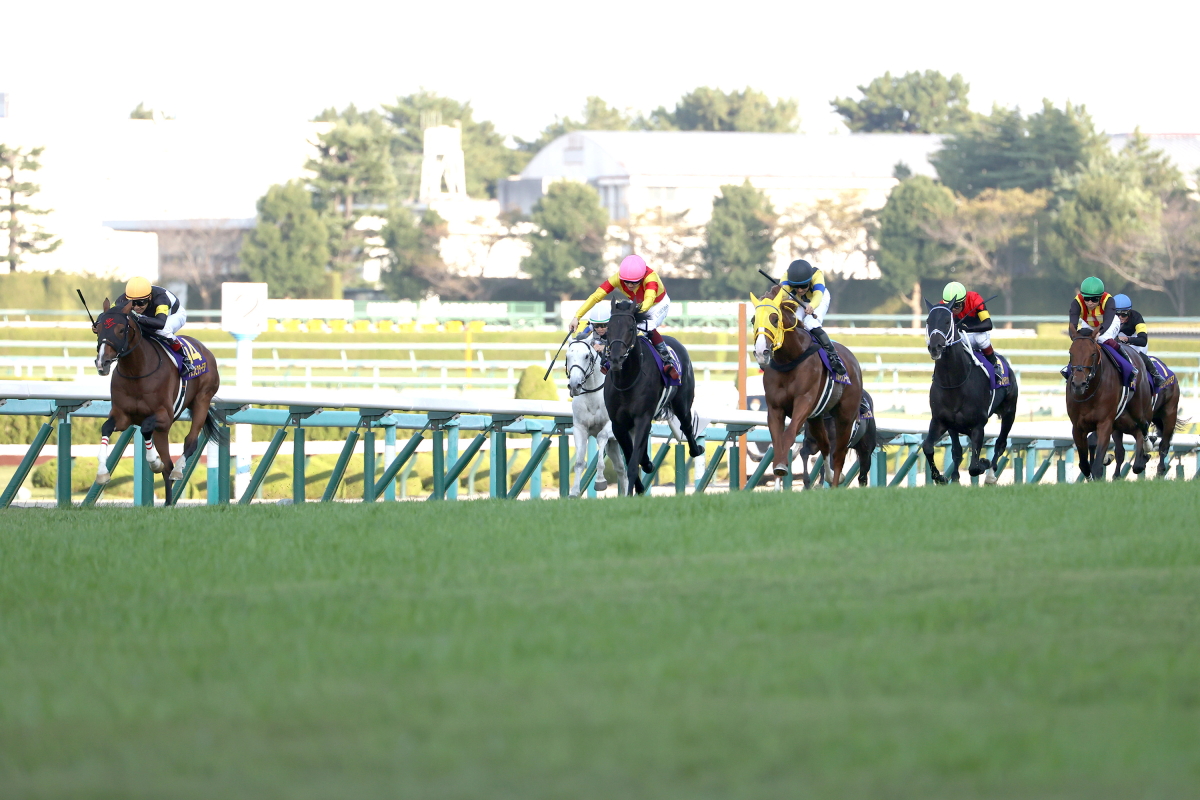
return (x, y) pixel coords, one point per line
(979, 341)
(1110, 333)
(173, 324)
(817, 317)
(1140, 348)
(655, 314)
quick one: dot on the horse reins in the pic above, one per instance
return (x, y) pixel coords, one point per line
(129, 346)
(1092, 370)
(628, 348)
(593, 359)
(958, 338)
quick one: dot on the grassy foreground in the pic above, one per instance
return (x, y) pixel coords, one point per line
(1031, 641)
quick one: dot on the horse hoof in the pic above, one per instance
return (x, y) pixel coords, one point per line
(601, 485)
(779, 471)
(177, 474)
(103, 477)
(990, 478)
(696, 452)
(156, 466)
(1108, 459)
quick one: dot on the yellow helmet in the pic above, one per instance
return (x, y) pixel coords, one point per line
(138, 288)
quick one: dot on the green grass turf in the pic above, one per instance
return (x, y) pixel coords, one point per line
(1024, 642)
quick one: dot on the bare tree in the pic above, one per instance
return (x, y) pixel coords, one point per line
(833, 232)
(981, 229)
(202, 255)
(666, 240)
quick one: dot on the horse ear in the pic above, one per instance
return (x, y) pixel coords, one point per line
(128, 308)
(753, 299)
(107, 305)
(926, 299)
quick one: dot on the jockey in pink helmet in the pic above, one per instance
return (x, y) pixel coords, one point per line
(642, 285)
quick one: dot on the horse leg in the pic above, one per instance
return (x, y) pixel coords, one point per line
(641, 445)
(1166, 431)
(618, 461)
(199, 412)
(978, 465)
(103, 476)
(956, 454)
(581, 440)
(843, 428)
(777, 424)
(1103, 436)
(1140, 459)
(603, 436)
(633, 479)
(162, 443)
(1081, 450)
(805, 452)
(1008, 413)
(149, 426)
(935, 432)
(820, 440)
(1118, 454)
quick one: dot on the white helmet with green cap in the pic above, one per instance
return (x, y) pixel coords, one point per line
(600, 314)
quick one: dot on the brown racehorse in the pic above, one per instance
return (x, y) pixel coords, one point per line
(145, 390)
(1093, 398)
(795, 381)
(1164, 413)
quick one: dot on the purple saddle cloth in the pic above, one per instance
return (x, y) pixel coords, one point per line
(199, 362)
(844, 380)
(1165, 374)
(658, 360)
(1001, 380)
(1122, 363)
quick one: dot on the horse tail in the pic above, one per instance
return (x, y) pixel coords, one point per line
(214, 426)
(1181, 423)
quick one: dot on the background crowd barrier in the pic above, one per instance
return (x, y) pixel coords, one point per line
(1034, 449)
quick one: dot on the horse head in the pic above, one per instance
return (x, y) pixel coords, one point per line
(1084, 363)
(117, 333)
(940, 330)
(622, 332)
(774, 317)
(581, 364)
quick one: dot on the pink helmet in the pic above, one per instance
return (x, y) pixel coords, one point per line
(633, 268)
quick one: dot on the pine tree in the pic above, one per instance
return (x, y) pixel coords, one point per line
(567, 249)
(289, 247)
(916, 102)
(25, 238)
(738, 241)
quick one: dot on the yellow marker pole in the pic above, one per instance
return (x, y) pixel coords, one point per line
(467, 352)
(741, 382)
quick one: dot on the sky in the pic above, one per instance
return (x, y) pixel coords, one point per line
(521, 64)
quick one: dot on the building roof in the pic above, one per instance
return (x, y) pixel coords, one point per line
(590, 155)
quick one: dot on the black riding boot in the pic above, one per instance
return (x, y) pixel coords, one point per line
(1154, 376)
(834, 359)
(668, 364)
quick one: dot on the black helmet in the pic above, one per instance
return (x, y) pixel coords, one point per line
(799, 273)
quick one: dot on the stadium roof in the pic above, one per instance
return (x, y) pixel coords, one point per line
(615, 154)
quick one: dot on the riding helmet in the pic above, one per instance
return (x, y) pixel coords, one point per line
(1091, 287)
(633, 268)
(1122, 302)
(138, 288)
(799, 273)
(954, 293)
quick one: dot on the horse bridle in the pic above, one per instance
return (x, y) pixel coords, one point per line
(593, 360)
(128, 348)
(955, 334)
(609, 342)
(1091, 370)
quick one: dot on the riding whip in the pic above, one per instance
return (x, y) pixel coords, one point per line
(85, 307)
(556, 355)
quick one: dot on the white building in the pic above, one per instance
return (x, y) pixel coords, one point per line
(636, 171)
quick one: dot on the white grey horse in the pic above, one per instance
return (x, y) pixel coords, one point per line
(589, 416)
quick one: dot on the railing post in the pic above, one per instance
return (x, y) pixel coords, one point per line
(26, 464)
(595, 457)
(535, 442)
(62, 486)
(879, 473)
(681, 469)
(735, 451)
(369, 418)
(499, 455)
(114, 458)
(389, 453)
(452, 456)
(143, 478)
(438, 421)
(299, 458)
(563, 426)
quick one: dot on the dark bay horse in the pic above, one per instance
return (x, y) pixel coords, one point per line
(798, 386)
(961, 399)
(145, 392)
(633, 388)
(1094, 396)
(863, 442)
(1164, 415)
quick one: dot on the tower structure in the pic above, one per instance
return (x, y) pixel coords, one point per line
(443, 165)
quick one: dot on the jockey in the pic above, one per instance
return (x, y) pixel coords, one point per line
(972, 317)
(159, 313)
(596, 331)
(1133, 332)
(642, 285)
(807, 284)
(1093, 308)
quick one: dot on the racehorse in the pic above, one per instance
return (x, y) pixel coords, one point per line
(961, 398)
(863, 442)
(800, 387)
(1097, 403)
(635, 391)
(145, 391)
(1164, 414)
(589, 416)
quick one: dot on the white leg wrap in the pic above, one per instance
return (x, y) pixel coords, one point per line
(102, 474)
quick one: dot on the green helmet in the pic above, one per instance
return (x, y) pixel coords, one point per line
(954, 292)
(1091, 287)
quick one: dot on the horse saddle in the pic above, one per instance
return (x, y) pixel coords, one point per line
(662, 370)
(998, 378)
(188, 345)
(1120, 358)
